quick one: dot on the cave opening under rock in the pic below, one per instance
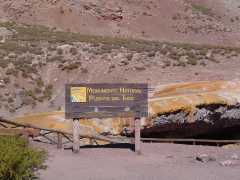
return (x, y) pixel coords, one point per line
(213, 122)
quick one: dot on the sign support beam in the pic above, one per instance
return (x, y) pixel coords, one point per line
(76, 131)
(137, 135)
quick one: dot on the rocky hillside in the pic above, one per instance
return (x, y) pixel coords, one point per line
(190, 21)
(45, 44)
(36, 62)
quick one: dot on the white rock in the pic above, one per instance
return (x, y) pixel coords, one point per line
(228, 163)
(2, 84)
(65, 46)
(209, 54)
(4, 32)
(12, 55)
(235, 157)
(183, 59)
(205, 158)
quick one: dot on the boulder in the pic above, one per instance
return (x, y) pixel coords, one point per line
(205, 158)
(228, 163)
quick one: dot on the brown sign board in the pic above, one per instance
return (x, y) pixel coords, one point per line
(106, 100)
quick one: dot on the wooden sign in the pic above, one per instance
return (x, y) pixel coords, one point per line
(104, 101)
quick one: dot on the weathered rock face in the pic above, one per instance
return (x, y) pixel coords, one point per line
(185, 109)
(190, 109)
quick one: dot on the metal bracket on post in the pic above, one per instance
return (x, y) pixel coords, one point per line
(76, 141)
(137, 124)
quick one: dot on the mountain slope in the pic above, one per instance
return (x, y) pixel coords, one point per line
(36, 63)
(192, 21)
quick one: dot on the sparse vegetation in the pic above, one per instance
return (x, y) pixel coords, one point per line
(10, 100)
(71, 66)
(6, 80)
(23, 56)
(37, 90)
(36, 50)
(40, 33)
(18, 161)
(59, 51)
(192, 61)
(39, 82)
(47, 93)
(151, 54)
(4, 64)
(167, 63)
(12, 71)
(84, 70)
(202, 9)
(30, 93)
(129, 56)
(13, 46)
(140, 68)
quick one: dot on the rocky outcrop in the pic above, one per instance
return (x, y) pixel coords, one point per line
(181, 110)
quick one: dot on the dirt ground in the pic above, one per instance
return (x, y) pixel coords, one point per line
(158, 161)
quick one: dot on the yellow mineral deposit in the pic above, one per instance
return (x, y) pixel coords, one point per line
(187, 96)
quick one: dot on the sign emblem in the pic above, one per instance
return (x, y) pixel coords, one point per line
(78, 94)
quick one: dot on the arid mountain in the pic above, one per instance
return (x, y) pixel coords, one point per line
(37, 62)
(190, 41)
(194, 21)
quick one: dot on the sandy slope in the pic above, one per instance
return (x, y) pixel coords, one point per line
(196, 21)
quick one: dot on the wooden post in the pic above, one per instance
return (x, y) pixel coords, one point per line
(59, 140)
(76, 141)
(137, 135)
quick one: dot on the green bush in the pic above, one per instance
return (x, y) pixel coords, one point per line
(203, 9)
(18, 161)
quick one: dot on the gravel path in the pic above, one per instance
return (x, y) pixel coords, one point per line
(158, 161)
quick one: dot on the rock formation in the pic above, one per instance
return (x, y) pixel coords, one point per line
(176, 110)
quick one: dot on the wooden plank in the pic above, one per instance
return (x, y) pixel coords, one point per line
(68, 138)
(49, 139)
(3, 125)
(94, 136)
(76, 130)
(138, 136)
(11, 132)
(31, 126)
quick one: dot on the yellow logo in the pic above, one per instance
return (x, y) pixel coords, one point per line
(79, 94)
